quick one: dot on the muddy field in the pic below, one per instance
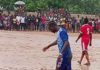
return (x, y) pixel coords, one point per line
(23, 51)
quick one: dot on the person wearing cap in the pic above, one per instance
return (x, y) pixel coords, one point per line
(65, 54)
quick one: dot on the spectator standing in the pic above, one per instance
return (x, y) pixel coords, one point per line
(23, 23)
(82, 21)
(38, 20)
(74, 21)
(14, 23)
(18, 18)
(43, 22)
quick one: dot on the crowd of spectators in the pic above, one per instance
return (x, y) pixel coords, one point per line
(39, 22)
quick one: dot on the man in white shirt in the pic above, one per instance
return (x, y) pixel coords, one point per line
(23, 24)
(18, 19)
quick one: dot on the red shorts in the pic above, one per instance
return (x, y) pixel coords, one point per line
(85, 44)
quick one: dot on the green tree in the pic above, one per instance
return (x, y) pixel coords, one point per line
(73, 6)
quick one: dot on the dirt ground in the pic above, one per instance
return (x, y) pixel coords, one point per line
(23, 51)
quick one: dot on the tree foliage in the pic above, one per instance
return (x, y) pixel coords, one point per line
(73, 6)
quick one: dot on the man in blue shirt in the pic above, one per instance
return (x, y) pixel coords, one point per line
(65, 55)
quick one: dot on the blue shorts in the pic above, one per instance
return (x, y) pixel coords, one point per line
(66, 62)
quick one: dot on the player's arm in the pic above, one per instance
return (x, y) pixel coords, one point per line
(90, 39)
(66, 44)
(80, 35)
(91, 30)
(50, 45)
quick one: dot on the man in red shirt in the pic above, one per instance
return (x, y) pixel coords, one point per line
(43, 24)
(86, 38)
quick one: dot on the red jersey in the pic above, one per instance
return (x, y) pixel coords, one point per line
(43, 19)
(86, 29)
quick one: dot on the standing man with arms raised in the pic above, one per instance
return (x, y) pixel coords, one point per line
(65, 54)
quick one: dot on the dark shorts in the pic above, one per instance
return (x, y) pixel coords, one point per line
(65, 62)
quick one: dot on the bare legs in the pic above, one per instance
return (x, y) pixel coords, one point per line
(85, 53)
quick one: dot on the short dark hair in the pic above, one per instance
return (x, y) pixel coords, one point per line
(86, 20)
(52, 24)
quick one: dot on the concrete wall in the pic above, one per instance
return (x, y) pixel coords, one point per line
(78, 16)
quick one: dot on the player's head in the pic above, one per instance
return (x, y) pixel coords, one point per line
(86, 21)
(52, 26)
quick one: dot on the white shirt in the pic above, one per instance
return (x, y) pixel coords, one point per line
(18, 18)
(22, 19)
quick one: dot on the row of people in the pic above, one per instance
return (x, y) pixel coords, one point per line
(40, 22)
